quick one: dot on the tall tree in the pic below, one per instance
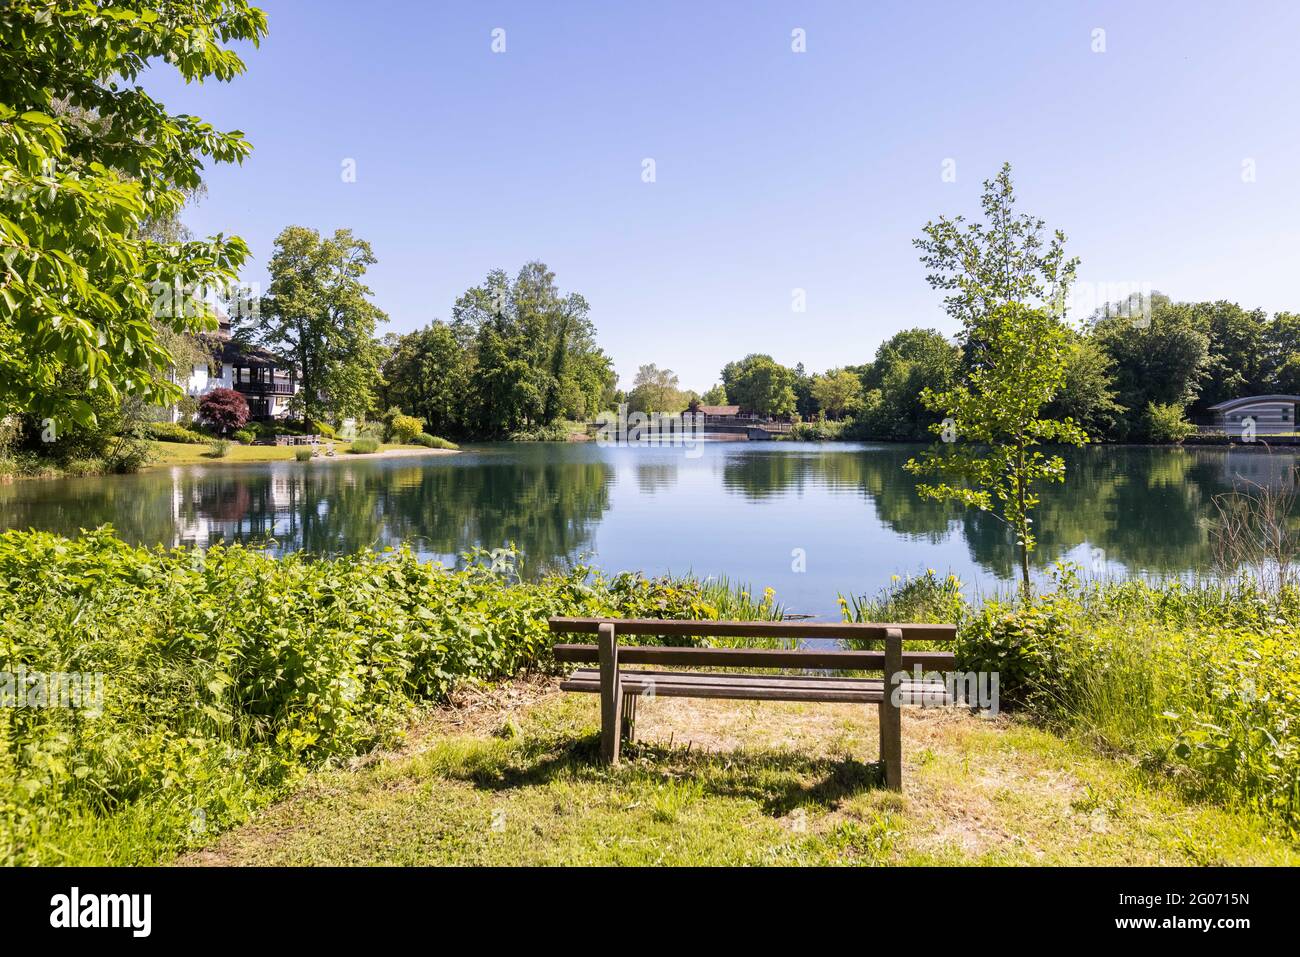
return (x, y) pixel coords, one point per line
(1159, 359)
(426, 373)
(87, 158)
(1236, 363)
(1087, 392)
(838, 393)
(317, 314)
(533, 353)
(717, 395)
(655, 390)
(906, 364)
(760, 384)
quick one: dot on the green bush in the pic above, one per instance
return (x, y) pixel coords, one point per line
(246, 436)
(228, 674)
(304, 453)
(172, 432)
(433, 442)
(406, 427)
(818, 431)
(325, 430)
(555, 432)
(219, 448)
(364, 445)
(1166, 423)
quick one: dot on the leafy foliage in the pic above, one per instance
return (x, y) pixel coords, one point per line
(224, 410)
(229, 673)
(405, 428)
(87, 160)
(995, 418)
(173, 432)
(318, 315)
(1166, 423)
(518, 356)
(759, 384)
(655, 390)
(1200, 682)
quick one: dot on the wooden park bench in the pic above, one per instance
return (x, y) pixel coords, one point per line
(619, 689)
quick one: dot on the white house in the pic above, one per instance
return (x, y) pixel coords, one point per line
(260, 376)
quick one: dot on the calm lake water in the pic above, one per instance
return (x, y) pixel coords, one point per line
(748, 510)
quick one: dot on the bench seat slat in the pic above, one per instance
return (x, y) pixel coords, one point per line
(752, 629)
(757, 658)
(751, 687)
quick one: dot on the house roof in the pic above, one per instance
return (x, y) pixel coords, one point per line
(232, 352)
(1249, 400)
(718, 409)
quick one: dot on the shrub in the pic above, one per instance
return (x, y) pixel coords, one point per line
(1166, 424)
(304, 453)
(433, 442)
(187, 409)
(819, 430)
(325, 430)
(406, 427)
(172, 432)
(219, 448)
(224, 409)
(229, 678)
(247, 436)
(555, 432)
(364, 445)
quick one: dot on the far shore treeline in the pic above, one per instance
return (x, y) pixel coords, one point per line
(1136, 371)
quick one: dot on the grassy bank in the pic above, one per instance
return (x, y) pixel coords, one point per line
(1199, 683)
(517, 781)
(228, 675)
(182, 453)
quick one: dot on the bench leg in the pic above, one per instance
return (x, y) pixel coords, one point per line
(629, 716)
(891, 715)
(611, 697)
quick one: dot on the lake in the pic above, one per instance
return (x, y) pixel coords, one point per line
(810, 520)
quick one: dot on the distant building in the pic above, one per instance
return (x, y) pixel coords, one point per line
(718, 411)
(1272, 414)
(266, 382)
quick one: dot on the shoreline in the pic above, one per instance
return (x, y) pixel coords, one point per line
(281, 453)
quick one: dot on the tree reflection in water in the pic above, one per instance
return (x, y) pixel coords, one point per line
(1144, 508)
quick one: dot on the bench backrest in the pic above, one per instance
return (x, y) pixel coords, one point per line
(812, 658)
(752, 629)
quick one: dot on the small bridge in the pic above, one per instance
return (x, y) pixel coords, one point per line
(756, 432)
(752, 427)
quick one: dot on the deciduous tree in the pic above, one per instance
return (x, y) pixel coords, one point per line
(87, 159)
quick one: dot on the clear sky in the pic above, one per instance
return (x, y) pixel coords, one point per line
(1172, 158)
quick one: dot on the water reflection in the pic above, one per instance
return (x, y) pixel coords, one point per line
(732, 508)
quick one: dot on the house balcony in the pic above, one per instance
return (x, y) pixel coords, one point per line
(266, 388)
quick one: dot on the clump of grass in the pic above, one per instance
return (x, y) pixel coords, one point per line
(218, 448)
(434, 442)
(920, 598)
(303, 454)
(1200, 682)
(364, 445)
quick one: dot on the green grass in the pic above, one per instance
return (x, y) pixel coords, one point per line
(180, 453)
(732, 783)
(1200, 682)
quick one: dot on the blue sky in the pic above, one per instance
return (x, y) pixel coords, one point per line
(775, 170)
